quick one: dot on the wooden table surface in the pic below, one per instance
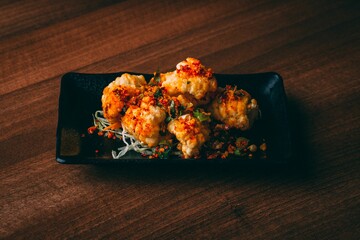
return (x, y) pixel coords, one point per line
(314, 45)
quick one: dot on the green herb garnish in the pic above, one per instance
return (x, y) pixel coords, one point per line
(157, 76)
(158, 93)
(201, 115)
(172, 109)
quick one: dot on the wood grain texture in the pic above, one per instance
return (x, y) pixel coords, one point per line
(314, 45)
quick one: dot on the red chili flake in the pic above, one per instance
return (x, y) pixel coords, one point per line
(231, 148)
(225, 155)
(92, 129)
(96, 151)
(212, 156)
(209, 73)
(100, 133)
(110, 135)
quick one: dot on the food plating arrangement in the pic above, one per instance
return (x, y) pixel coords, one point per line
(182, 113)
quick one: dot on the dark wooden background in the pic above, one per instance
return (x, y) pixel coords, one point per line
(314, 45)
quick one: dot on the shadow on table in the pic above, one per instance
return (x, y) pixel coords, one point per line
(303, 160)
(300, 167)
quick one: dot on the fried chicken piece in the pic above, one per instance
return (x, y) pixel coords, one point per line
(119, 94)
(192, 80)
(235, 108)
(191, 133)
(144, 122)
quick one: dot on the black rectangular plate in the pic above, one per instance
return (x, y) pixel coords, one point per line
(80, 97)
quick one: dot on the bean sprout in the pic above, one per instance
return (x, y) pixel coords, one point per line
(130, 142)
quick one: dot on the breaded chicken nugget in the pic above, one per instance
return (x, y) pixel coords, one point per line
(119, 94)
(191, 133)
(235, 108)
(192, 80)
(144, 122)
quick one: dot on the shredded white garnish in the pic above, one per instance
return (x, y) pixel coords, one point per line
(130, 142)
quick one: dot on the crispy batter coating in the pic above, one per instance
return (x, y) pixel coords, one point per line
(126, 79)
(235, 108)
(144, 122)
(191, 133)
(119, 94)
(192, 80)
